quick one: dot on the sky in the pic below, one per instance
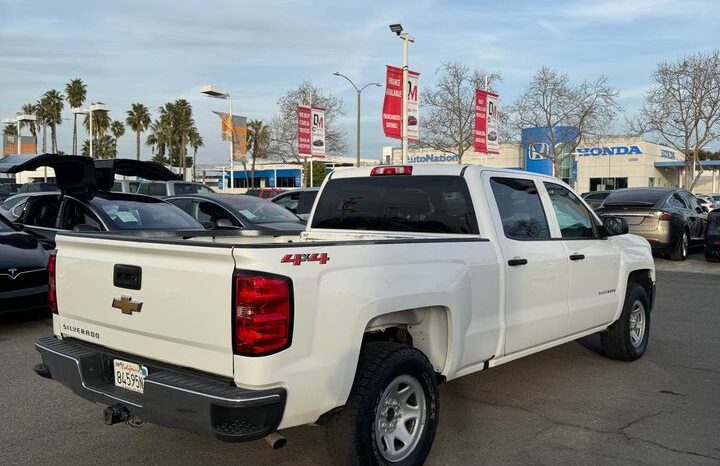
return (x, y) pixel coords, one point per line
(158, 51)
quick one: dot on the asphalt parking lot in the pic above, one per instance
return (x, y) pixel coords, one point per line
(565, 406)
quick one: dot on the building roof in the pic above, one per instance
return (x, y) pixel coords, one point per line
(681, 164)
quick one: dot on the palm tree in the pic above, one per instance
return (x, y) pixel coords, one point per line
(175, 122)
(138, 119)
(258, 142)
(41, 113)
(196, 142)
(75, 92)
(30, 109)
(54, 106)
(104, 147)
(10, 130)
(117, 129)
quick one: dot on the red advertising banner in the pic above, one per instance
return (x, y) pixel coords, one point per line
(392, 105)
(486, 134)
(304, 135)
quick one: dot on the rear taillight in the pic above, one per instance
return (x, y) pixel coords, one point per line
(392, 170)
(664, 216)
(52, 283)
(262, 314)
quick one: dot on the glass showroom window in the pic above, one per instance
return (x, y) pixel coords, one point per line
(607, 184)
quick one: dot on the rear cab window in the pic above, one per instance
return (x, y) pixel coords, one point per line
(420, 204)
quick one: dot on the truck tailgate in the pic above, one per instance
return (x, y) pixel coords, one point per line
(185, 291)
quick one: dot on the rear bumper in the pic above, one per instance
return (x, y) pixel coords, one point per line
(173, 397)
(24, 300)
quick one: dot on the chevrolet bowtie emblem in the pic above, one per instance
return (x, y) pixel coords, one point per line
(126, 305)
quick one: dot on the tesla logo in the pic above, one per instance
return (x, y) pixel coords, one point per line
(297, 259)
(126, 305)
(12, 273)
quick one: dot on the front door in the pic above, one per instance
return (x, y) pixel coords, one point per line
(594, 263)
(536, 267)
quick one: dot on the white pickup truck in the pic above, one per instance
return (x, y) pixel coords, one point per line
(407, 276)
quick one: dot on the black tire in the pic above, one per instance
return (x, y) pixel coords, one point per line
(350, 434)
(682, 247)
(617, 341)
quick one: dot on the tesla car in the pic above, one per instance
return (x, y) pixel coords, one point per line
(669, 218)
(85, 202)
(222, 211)
(23, 271)
(712, 237)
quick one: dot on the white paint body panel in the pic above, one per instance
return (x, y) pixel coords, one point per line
(462, 284)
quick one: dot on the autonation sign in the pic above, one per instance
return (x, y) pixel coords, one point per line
(432, 158)
(609, 150)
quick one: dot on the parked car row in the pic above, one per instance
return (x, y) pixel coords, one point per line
(671, 219)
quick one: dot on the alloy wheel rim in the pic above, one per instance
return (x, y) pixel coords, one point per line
(400, 418)
(637, 324)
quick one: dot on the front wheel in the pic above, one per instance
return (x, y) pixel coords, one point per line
(392, 413)
(627, 339)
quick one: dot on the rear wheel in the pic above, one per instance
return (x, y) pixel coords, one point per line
(392, 413)
(627, 339)
(682, 247)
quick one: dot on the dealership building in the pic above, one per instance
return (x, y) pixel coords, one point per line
(611, 162)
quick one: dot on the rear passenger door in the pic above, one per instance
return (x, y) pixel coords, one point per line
(536, 266)
(697, 218)
(594, 263)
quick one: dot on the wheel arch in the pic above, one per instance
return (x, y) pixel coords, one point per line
(426, 329)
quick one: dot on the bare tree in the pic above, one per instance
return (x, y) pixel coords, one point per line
(683, 108)
(551, 101)
(448, 120)
(283, 128)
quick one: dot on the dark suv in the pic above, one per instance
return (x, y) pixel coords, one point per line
(669, 218)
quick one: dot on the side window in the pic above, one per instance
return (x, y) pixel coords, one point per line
(157, 189)
(307, 199)
(76, 214)
(42, 211)
(520, 209)
(690, 200)
(144, 188)
(289, 201)
(676, 201)
(211, 212)
(185, 204)
(574, 219)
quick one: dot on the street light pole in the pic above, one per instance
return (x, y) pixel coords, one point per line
(219, 93)
(406, 38)
(359, 92)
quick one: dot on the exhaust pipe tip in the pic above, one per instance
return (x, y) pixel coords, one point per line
(276, 441)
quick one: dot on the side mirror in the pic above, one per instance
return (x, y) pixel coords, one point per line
(615, 226)
(702, 209)
(208, 225)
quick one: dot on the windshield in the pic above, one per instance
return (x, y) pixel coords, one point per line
(125, 213)
(259, 210)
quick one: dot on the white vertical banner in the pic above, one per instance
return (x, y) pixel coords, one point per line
(413, 106)
(317, 117)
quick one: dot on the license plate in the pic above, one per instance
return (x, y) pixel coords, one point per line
(129, 375)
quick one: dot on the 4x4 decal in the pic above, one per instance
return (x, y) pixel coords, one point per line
(297, 259)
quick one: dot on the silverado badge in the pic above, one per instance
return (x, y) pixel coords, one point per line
(126, 305)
